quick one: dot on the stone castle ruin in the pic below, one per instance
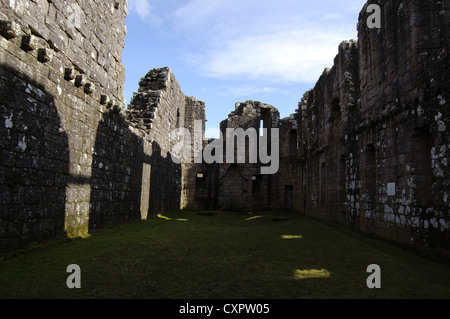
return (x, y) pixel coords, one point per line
(368, 146)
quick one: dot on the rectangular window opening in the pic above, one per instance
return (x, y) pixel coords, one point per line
(201, 185)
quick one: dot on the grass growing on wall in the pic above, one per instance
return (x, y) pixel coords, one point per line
(222, 255)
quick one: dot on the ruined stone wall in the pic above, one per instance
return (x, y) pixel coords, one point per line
(161, 109)
(242, 187)
(230, 185)
(288, 178)
(374, 138)
(325, 115)
(200, 179)
(407, 120)
(159, 106)
(70, 162)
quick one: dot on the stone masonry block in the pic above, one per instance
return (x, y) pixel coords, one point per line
(29, 43)
(44, 55)
(9, 29)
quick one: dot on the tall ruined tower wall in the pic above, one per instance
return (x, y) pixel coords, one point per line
(373, 132)
(70, 162)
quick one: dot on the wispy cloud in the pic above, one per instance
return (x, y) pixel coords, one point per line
(144, 9)
(282, 40)
(295, 56)
(271, 50)
(238, 91)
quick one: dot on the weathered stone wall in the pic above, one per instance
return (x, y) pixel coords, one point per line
(374, 138)
(230, 185)
(158, 106)
(61, 81)
(85, 36)
(288, 178)
(71, 162)
(200, 180)
(325, 115)
(407, 120)
(242, 187)
(160, 109)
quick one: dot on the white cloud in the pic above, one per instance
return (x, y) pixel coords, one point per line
(296, 56)
(238, 91)
(282, 40)
(193, 14)
(144, 9)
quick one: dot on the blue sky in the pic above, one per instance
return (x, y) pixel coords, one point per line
(228, 51)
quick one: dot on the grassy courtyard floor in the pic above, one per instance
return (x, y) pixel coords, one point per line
(223, 255)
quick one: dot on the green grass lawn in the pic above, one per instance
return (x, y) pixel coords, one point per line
(223, 255)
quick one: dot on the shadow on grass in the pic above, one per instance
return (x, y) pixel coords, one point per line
(217, 255)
